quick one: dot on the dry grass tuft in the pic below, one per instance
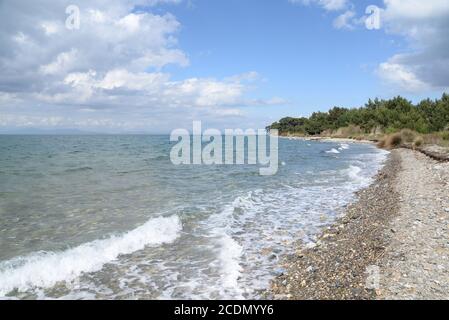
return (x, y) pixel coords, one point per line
(393, 141)
(418, 142)
(382, 143)
(408, 135)
(445, 135)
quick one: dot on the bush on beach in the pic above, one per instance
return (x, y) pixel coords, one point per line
(418, 142)
(408, 135)
(381, 143)
(399, 139)
(393, 141)
(445, 135)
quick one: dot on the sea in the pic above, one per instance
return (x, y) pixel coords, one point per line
(111, 217)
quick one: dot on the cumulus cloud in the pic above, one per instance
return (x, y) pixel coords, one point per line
(344, 21)
(38, 50)
(425, 25)
(63, 62)
(115, 61)
(401, 75)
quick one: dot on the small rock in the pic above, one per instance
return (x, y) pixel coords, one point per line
(273, 257)
(311, 245)
(310, 269)
(279, 272)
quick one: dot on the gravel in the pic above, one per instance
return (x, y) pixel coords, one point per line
(392, 243)
(416, 263)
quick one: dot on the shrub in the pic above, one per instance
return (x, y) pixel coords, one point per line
(418, 142)
(408, 135)
(381, 143)
(349, 131)
(390, 130)
(393, 141)
(445, 135)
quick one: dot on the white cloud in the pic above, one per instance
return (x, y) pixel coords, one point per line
(64, 61)
(113, 66)
(120, 84)
(115, 79)
(228, 112)
(344, 21)
(413, 10)
(8, 98)
(51, 27)
(161, 58)
(425, 25)
(108, 39)
(401, 75)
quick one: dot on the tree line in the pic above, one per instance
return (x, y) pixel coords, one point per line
(377, 115)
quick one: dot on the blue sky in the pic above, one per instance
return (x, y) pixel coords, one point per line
(229, 63)
(302, 58)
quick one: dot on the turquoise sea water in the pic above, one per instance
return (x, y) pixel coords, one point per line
(110, 217)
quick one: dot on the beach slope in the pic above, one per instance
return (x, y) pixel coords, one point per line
(393, 243)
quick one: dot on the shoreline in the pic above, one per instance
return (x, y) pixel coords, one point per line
(328, 139)
(365, 240)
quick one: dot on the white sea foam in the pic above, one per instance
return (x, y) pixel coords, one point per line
(250, 234)
(230, 250)
(333, 150)
(230, 261)
(363, 170)
(343, 146)
(355, 173)
(45, 269)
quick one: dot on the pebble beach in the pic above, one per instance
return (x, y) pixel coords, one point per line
(392, 243)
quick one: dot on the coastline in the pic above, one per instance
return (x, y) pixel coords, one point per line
(328, 139)
(378, 233)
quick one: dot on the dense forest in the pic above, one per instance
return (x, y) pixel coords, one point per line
(383, 116)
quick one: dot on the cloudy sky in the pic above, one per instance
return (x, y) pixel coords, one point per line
(157, 65)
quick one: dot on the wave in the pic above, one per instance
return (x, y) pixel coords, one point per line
(46, 269)
(355, 174)
(230, 250)
(333, 150)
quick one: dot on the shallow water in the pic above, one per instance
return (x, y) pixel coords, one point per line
(103, 217)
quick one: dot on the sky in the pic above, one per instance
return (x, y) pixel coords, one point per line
(157, 65)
